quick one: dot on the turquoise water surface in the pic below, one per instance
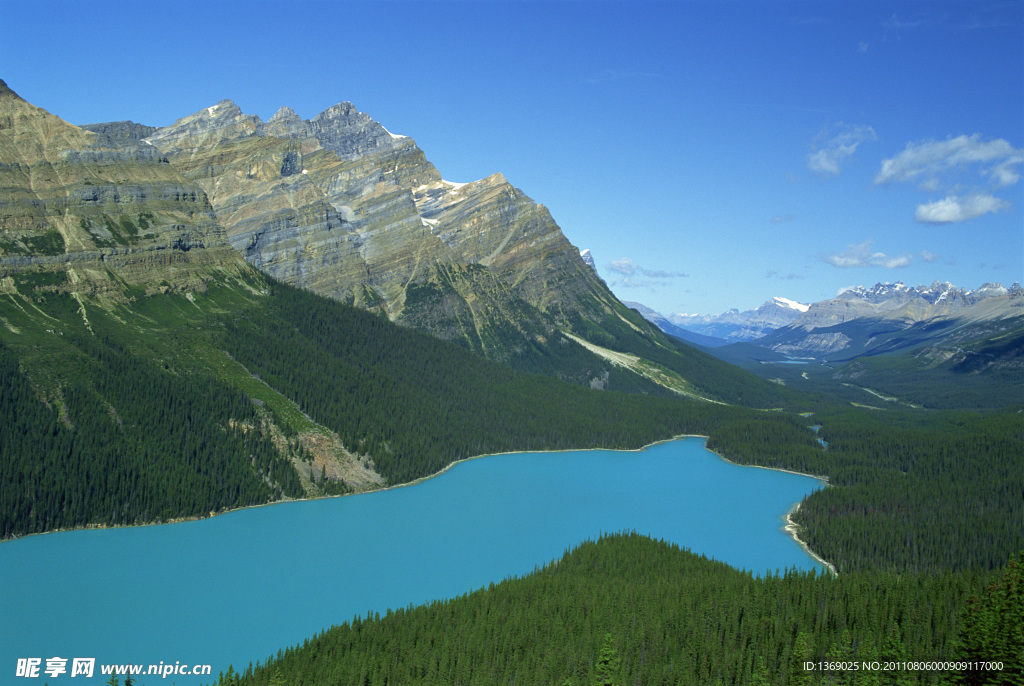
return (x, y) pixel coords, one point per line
(238, 587)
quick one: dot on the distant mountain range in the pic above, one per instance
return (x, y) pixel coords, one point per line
(734, 326)
(936, 344)
(891, 301)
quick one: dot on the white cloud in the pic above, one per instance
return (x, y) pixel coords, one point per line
(966, 168)
(833, 146)
(954, 209)
(861, 255)
(929, 162)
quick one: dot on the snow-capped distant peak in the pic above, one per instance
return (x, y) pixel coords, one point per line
(990, 289)
(588, 259)
(791, 304)
(393, 135)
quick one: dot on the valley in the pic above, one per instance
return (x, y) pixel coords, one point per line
(226, 312)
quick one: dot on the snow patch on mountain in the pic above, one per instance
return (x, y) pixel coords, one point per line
(792, 304)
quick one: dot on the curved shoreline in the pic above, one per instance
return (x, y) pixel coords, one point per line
(791, 528)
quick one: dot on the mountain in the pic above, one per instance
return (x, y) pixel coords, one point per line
(889, 316)
(895, 300)
(735, 326)
(149, 371)
(85, 212)
(341, 206)
(936, 346)
(680, 332)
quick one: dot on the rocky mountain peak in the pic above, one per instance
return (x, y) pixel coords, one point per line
(5, 91)
(351, 134)
(285, 124)
(588, 259)
(224, 108)
(93, 203)
(285, 114)
(223, 121)
(987, 290)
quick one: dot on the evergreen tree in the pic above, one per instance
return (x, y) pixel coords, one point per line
(803, 651)
(608, 662)
(761, 675)
(993, 629)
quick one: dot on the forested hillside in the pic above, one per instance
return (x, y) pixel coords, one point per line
(911, 489)
(179, 405)
(174, 406)
(629, 610)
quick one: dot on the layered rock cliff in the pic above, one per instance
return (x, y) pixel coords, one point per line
(336, 204)
(99, 208)
(341, 206)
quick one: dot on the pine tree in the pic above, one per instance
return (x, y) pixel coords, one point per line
(993, 629)
(607, 663)
(761, 675)
(802, 652)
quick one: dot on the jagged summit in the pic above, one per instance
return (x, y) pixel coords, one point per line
(588, 258)
(97, 210)
(6, 91)
(339, 205)
(285, 113)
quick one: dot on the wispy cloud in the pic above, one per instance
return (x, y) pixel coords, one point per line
(861, 255)
(967, 169)
(772, 274)
(932, 163)
(782, 218)
(953, 209)
(834, 145)
(632, 275)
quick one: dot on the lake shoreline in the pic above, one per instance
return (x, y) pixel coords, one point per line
(791, 528)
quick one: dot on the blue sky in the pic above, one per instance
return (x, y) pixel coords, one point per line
(710, 154)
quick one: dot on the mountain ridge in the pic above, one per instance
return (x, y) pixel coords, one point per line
(78, 203)
(894, 300)
(340, 205)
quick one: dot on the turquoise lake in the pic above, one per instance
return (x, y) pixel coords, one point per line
(238, 587)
